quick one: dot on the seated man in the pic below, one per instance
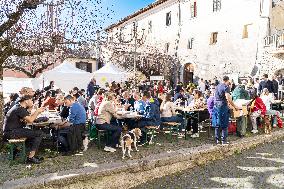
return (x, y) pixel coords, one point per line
(15, 123)
(139, 104)
(151, 116)
(71, 137)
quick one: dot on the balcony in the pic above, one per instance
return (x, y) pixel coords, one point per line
(276, 43)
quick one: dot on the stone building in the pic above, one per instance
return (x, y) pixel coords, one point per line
(209, 38)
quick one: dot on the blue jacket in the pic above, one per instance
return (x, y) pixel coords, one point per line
(152, 112)
(77, 114)
(91, 89)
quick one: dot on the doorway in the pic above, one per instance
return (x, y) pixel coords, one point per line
(188, 73)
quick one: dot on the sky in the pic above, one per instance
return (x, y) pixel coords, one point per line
(123, 8)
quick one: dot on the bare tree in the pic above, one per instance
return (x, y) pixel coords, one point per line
(34, 29)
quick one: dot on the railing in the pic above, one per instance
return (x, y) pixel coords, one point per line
(281, 41)
(276, 41)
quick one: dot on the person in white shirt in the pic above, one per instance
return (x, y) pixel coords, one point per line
(201, 85)
(168, 112)
(268, 99)
(93, 102)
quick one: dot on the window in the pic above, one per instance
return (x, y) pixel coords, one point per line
(246, 31)
(168, 19)
(190, 43)
(167, 47)
(84, 66)
(216, 5)
(150, 26)
(121, 34)
(213, 39)
(193, 10)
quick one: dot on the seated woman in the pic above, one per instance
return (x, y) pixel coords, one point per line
(197, 103)
(257, 109)
(168, 112)
(50, 101)
(268, 99)
(105, 113)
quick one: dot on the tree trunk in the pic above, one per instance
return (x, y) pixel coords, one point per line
(1, 109)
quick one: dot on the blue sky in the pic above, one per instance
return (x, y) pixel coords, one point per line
(123, 8)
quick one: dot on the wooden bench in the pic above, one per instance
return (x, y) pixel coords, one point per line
(150, 132)
(18, 143)
(102, 135)
(171, 129)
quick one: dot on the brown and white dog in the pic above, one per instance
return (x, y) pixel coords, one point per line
(127, 140)
(267, 124)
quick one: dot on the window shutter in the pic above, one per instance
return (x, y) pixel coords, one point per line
(195, 9)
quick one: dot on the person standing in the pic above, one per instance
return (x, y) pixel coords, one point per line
(220, 114)
(201, 85)
(49, 87)
(91, 88)
(241, 93)
(265, 83)
(275, 86)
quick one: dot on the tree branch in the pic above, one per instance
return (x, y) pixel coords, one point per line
(16, 68)
(19, 52)
(15, 17)
(31, 73)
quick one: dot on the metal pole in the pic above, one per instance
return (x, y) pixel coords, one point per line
(98, 50)
(135, 49)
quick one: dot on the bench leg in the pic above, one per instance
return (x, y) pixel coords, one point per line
(23, 153)
(11, 155)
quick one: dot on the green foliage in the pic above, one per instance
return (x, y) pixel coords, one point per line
(191, 85)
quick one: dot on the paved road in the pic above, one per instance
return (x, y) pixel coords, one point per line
(262, 167)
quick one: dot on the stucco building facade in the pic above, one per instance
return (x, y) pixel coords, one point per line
(210, 38)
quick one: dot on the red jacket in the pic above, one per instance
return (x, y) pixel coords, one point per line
(258, 105)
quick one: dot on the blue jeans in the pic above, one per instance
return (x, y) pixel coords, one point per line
(115, 133)
(224, 131)
(174, 119)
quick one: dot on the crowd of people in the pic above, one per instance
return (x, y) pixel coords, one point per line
(155, 102)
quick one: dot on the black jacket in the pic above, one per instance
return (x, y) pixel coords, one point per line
(275, 86)
(266, 84)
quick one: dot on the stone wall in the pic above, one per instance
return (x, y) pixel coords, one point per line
(268, 62)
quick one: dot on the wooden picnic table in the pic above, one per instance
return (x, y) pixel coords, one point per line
(189, 109)
(127, 115)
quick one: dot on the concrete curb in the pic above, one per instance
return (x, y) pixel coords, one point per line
(188, 156)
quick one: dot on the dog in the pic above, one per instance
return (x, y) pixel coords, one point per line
(127, 140)
(267, 124)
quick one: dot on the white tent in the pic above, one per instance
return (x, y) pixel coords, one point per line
(109, 73)
(66, 76)
(14, 85)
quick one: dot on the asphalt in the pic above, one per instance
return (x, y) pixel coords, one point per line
(261, 167)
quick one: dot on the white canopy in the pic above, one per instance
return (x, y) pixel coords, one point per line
(110, 73)
(66, 76)
(14, 85)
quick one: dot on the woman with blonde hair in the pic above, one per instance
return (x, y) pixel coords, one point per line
(168, 112)
(106, 112)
